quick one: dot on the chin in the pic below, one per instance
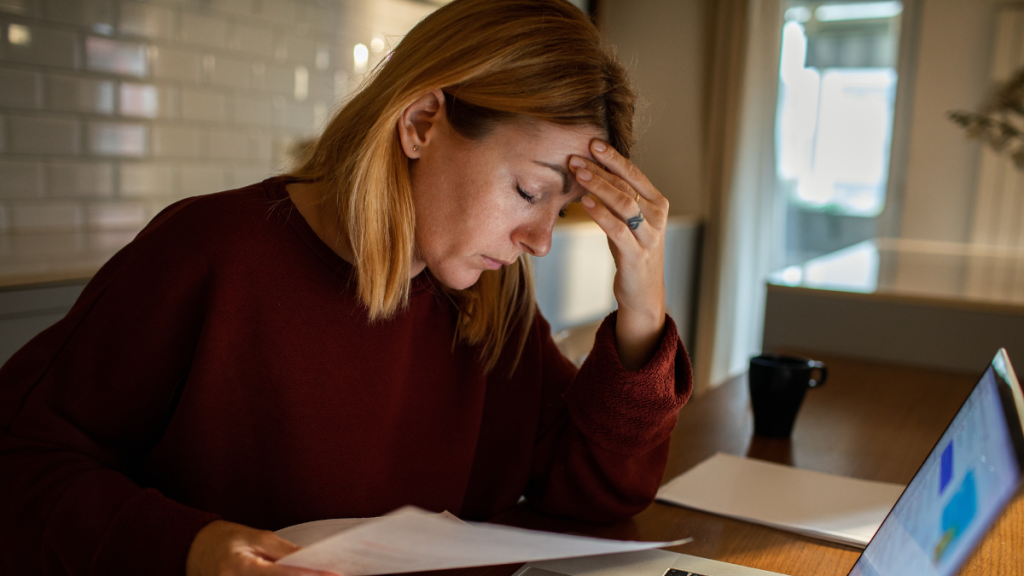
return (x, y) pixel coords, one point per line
(458, 279)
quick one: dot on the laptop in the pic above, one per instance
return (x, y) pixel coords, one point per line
(964, 485)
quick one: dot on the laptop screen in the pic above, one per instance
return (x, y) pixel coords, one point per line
(959, 491)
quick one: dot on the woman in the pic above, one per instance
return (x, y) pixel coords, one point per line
(360, 334)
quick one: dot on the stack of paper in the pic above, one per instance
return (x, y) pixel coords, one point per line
(411, 540)
(826, 506)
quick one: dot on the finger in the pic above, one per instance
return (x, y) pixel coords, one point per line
(620, 200)
(614, 227)
(635, 211)
(634, 222)
(623, 203)
(631, 173)
(620, 166)
(273, 547)
(654, 213)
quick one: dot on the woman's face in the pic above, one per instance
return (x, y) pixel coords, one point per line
(481, 203)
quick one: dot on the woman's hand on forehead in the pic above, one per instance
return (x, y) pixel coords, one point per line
(633, 214)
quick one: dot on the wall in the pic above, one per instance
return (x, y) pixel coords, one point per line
(111, 109)
(661, 42)
(951, 72)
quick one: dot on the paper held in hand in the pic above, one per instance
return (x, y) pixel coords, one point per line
(412, 540)
(826, 506)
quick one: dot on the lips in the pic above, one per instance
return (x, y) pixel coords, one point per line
(493, 264)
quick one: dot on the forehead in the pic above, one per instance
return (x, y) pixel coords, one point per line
(536, 140)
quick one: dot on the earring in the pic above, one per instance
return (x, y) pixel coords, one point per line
(415, 148)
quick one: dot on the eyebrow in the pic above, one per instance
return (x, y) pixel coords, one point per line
(566, 181)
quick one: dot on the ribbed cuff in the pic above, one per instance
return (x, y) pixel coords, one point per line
(630, 412)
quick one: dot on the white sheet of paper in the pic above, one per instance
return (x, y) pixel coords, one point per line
(825, 506)
(411, 540)
(309, 533)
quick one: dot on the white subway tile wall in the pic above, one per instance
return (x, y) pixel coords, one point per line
(21, 179)
(41, 45)
(198, 177)
(174, 141)
(73, 94)
(98, 14)
(21, 88)
(112, 109)
(203, 30)
(116, 215)
(143, 100)
(230, 145)
(118, 139)
(254, 41)
(16, 7)
(244, 176)
(204, 105)
(226, 72)
(148, 179)
(176, 64)
(46, 217)
(105, 55)
(145, 20)
(56, 135)
(80, 179)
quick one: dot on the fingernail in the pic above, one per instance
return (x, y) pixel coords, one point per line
(584, 174)
(599, 146)
(588, 202)
(577, 162)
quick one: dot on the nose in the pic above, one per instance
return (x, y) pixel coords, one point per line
(534, 237)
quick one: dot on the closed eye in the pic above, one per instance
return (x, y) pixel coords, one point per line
(528, 197)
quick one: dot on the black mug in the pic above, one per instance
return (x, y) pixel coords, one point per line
(777, 387)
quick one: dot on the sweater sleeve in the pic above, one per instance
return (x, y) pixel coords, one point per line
(604, 431)
(80, 406)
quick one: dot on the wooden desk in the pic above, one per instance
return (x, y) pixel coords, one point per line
(870, 420)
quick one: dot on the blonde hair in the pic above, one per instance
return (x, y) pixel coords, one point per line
(496, 60)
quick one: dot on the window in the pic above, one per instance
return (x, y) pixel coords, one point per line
(837, 89)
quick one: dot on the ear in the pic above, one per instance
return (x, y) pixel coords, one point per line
(421, 121)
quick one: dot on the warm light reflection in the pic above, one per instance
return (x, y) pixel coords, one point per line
(19, 35)
(323, 57)
(301, 83)
(360, 55)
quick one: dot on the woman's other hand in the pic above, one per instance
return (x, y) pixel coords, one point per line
(633, 214)
(227, 549)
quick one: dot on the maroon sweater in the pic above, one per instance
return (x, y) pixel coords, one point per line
(220, 366)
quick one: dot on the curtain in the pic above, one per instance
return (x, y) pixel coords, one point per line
(741, 83)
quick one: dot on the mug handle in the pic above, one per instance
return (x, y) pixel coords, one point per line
(824, 373)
